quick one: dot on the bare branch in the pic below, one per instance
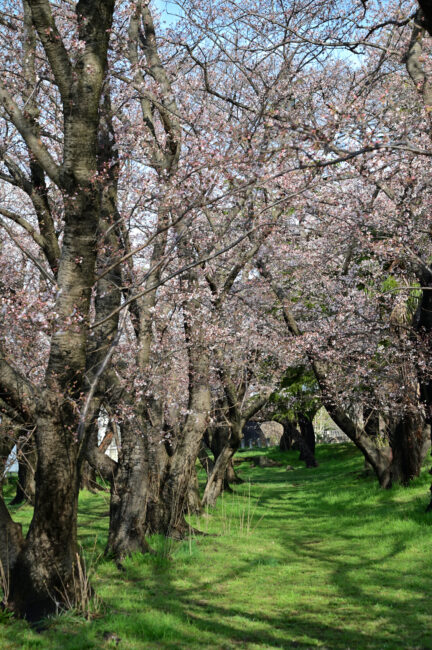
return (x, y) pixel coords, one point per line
(53, 46)
(32, 141)
(26, 252)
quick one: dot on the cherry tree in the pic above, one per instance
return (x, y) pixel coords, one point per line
(74, 64)
(175, 201)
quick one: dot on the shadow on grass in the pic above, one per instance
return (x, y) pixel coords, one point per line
(355, 559)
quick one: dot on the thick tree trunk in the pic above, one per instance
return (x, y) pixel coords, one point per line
(166, 514)
(394, 456)
(42, 578)
(170, 491)
(397, 453)
(377, 452)
(43, 575)
(151, 492)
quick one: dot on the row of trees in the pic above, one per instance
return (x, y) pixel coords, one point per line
(185, 214)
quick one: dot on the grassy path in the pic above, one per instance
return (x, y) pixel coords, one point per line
(303, 559)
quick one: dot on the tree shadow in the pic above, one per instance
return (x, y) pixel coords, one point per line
(331, 540)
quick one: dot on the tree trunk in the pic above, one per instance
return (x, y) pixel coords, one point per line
(308, 432)
(292, 437)
(42, 577)
(151, 491)
(11, 543)
(88, 478)
(205, 460)
(216, 481)
(129, 496)
(395, 455)
(7, 443)
(170, 492)
(306, 442)
(166, 514)
(410, 443)
(27, 459)
(290, 434)
(225, 442)
(231, 475)
(194, 500)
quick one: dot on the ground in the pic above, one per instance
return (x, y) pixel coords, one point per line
(296, 559)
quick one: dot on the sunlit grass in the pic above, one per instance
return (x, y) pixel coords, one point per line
(305, 558)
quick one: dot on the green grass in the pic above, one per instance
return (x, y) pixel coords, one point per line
(300, 559)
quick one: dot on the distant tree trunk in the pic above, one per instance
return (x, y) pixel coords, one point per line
(308, 432)
(27, 460)
(205, 460)
(293, 437)
(129, 496)
(97, 463)
(231, 476)
(88, 478)
(7, 443)
(194, 500)
(216, 482)
(225, 441)
(395, 455)
(290, 434)
(378, 453)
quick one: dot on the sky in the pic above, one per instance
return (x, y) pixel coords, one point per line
(169, 11)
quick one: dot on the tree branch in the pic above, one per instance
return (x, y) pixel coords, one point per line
(37, 238)
(16, 389)
(26, 131)
(53, 45)
(26, 252)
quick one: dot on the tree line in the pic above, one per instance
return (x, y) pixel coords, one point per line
(189, 213)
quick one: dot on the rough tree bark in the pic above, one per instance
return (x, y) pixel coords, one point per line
(129, 496)
(41, 573)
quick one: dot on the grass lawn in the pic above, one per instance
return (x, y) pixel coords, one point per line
(298, 559)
